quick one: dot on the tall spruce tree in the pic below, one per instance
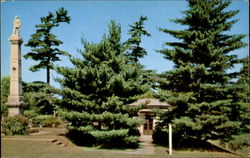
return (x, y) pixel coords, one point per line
(198, 86)
(96, 93)
(44, 44)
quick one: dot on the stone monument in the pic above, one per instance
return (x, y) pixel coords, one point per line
(15, 99)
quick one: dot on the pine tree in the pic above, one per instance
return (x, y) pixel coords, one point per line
(136, 51)
(136, 32)
(240, 97)
(44, 44)
(198, 86)
(240, 109)
(39, 97)
(96, 93)
(5, 88)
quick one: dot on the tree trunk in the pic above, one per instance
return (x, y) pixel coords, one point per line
(48, 75)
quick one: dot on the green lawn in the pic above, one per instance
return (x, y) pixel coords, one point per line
(12, 148)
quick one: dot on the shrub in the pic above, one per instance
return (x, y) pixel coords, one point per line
(80, 138)
(160, 136)
(30, 114)
(103, 139)
(38, 120)
(239, 141)
(47, 121)
(52, 121)
(131, 141)
(4, 110)
(15, 125)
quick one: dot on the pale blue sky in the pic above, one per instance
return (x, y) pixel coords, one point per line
(90, 19)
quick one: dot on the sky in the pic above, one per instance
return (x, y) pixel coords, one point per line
(90, 20)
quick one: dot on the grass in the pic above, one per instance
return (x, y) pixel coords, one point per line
(44, 149)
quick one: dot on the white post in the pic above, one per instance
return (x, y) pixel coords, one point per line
(30, 123)
(170, 139)
(2, 123)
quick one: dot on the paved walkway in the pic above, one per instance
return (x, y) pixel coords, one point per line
(146, 138)
(39, 139)
(39, 133)
(146, 147)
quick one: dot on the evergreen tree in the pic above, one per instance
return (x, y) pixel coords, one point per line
(240, 97)
(136, 32)
(5, 88)
(96, 93)
(136, 51)
(44, 44)
(240, 109)
(198, 87)
(244, 75)
(39, 97)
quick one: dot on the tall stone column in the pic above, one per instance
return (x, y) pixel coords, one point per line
(15, 99)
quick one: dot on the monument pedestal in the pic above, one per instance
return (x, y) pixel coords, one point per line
(15, 105)
(15, 101)
(13, 111)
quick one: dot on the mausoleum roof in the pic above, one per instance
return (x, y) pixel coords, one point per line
(150, 103)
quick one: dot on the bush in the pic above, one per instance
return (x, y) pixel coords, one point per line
(46, 121)
(52, 122)
(160, 136)
(239, 141)
(80, 138)
(15, 125)
(103, 139)
(4, 110)
(180, 142)
(131, 141)
(30, 114)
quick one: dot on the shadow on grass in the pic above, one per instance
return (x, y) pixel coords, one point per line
(195, 145)
(85, 140)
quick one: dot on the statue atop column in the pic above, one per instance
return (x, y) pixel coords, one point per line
(15, 99)
(17, 26)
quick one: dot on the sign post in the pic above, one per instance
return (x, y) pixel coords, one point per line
(170, 139)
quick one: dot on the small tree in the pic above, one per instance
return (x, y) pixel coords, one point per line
(44, 44)
(97, 91)
(136, 51)
(136, 32)
(39, 97)
(5, 88)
